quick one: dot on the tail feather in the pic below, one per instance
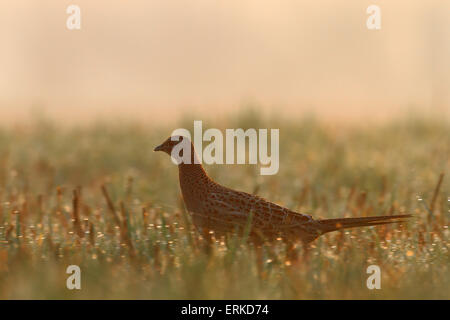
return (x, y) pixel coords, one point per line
(329, 225)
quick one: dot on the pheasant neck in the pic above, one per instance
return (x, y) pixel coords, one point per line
(192, 175)
(194, 183)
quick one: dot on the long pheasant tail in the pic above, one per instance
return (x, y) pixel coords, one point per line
(329, 225)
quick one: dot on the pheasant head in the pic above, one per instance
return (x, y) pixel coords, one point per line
(168, 145)
(180, 149)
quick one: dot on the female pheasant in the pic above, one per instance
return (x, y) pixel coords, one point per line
(220, 209)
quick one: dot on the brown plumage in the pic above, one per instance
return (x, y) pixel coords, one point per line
(220, 209)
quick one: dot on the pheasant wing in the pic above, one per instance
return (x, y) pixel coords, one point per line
(237, 206)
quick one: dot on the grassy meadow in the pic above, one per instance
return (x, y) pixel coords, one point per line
(97, 196)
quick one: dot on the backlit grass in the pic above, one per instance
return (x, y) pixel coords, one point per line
(140, 243)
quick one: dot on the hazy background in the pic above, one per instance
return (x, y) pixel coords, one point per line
(161, 59)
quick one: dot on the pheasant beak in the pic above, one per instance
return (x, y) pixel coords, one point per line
(159, 148)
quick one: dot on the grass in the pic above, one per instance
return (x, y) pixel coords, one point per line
(98, 197)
